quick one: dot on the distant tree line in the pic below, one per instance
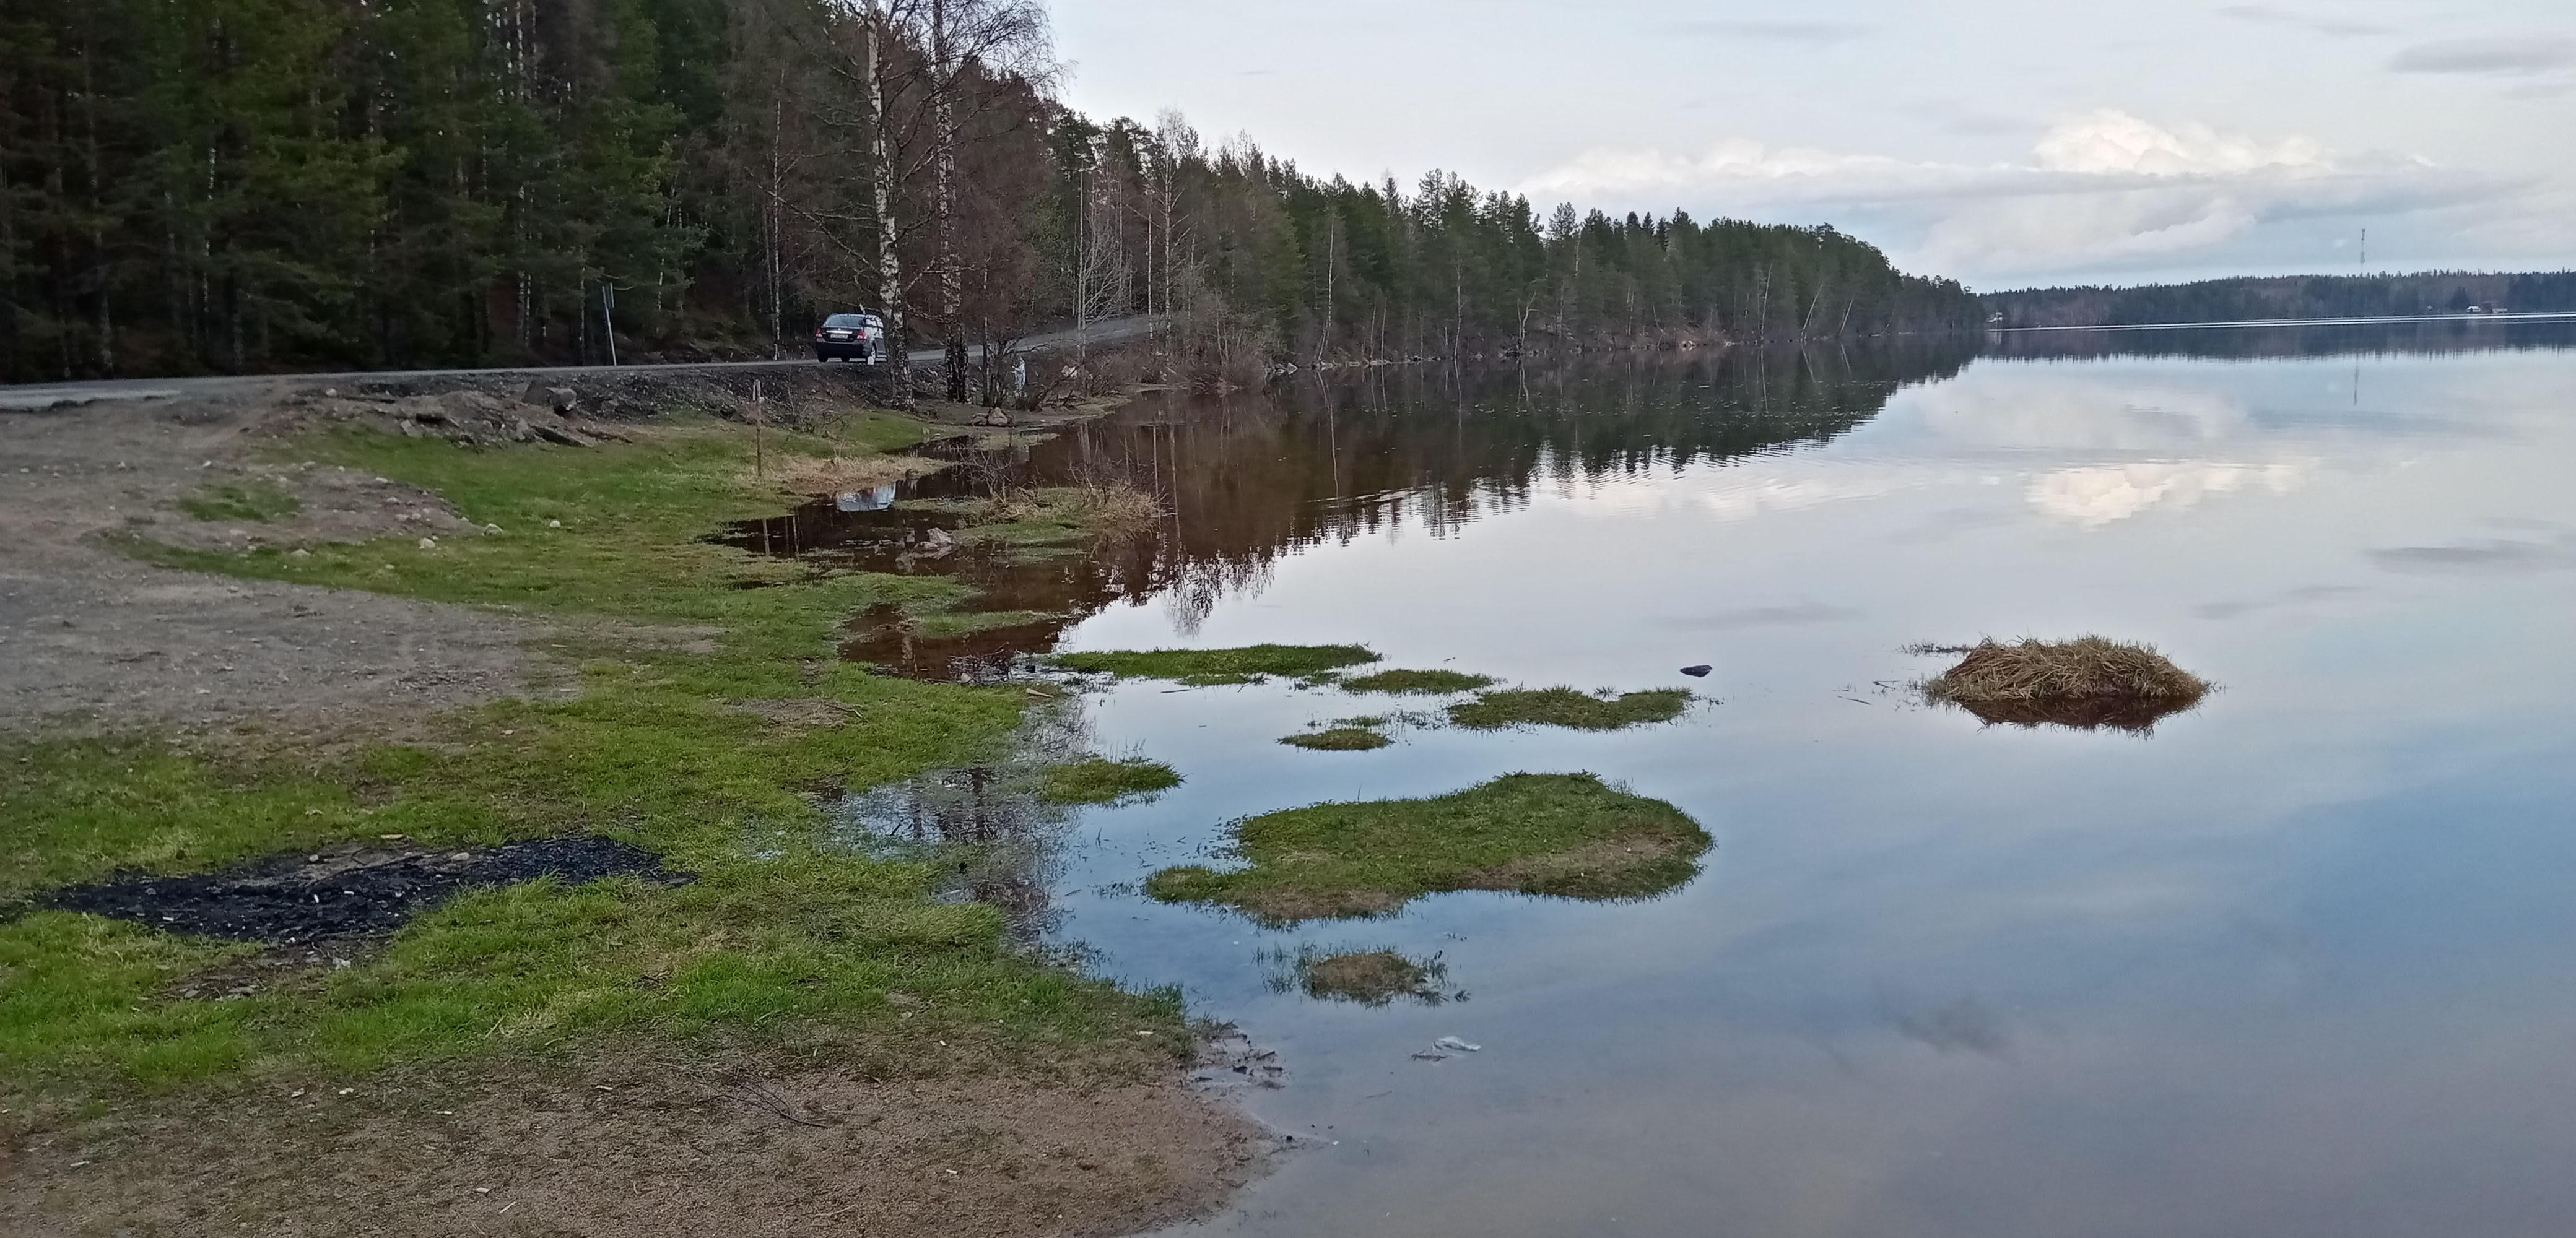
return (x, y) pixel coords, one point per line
(2286, 296)
(239, 185)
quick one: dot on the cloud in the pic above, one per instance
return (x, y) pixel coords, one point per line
(2491, 556)
(2111, 143)
(2333, 27)
(2487, 56)
(2100, 191)
(2091, 496)
(1814, 33)
(2302, 596)
(1763, 616)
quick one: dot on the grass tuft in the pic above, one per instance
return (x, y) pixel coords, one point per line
(1218, 666)
(1103, 781)
(257, 499)
(2087, 682)
(1368, 977)
(1424, 683)
(1339, 739)
(1567, 707)
(1568, 835)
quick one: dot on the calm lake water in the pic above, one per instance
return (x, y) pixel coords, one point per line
(2301, 961)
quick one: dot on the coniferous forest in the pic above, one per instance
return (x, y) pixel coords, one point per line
(2254, 298)
(240, 185)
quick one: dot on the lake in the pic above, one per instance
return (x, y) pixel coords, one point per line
(2300, 961)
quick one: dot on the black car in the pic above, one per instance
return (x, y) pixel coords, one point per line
(851, 337)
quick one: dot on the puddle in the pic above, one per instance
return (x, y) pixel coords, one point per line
(347, 890)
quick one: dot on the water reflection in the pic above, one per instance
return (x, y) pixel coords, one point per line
(1323, 461)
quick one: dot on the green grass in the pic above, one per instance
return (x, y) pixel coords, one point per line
(1102, 781)
(1568, 835)
(1339, 739)
(1201, 667)
(1425, 683)
(782, 937)
(1368, 977)
(1566, 707)
(257, 499)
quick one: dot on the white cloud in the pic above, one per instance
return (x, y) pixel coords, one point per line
(2091, 496)
(2110, 143)
(2100, 191)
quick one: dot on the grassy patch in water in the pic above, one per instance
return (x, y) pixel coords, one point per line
(1568, 835)
(1216, 666)
(784, 937)
(1566, 707)
(2087, 682)
(1424, 683)
(1368, 977)
(1101, 781)
(257, 499)
(1338, 739)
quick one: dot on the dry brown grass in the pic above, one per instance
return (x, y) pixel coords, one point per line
(1105, 508)
(837, 474)
(2086, 682)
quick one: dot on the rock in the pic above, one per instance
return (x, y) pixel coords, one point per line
(1698, 672)
(429, 543)
(299, 553)
(553, 399)
(997, 418)
(936, 542)
(569, 438)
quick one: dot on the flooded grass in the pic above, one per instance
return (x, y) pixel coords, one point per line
(1099, 508)
(254, 500)
(1567, 707)
(1200, 667)
(1424, 683)
(1567, 835)
(2085, 683)
(1339, 739)
(1367, 977)
(1103, 781)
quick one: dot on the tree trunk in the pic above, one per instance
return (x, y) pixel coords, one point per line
(944, 132)
(898, 361)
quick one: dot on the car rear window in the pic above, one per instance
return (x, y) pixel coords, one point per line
(849, 320)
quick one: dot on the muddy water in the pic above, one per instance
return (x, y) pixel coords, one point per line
(2299, 962)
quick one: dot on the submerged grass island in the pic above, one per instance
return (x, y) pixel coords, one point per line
(1566, 835)
(1566, 707)
(1204, 667)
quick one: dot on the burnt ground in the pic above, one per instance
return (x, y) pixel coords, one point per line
(300, 897)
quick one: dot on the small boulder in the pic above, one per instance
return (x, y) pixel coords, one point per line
(997, 418)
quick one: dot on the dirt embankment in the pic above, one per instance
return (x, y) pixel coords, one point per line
(93, 640)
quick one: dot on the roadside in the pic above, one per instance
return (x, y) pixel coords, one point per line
(250, 624)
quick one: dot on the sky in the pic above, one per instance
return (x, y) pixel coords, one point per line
(2006, 143)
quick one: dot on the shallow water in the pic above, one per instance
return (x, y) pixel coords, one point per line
(2301, 961)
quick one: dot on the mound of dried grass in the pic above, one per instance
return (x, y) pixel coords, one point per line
(2086, 682)
(839, 474)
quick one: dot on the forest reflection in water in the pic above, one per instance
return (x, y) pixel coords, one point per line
(1323, 458)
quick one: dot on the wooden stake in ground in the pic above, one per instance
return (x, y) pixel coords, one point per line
(759, 419)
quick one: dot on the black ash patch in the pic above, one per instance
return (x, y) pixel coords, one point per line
(308, 895)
